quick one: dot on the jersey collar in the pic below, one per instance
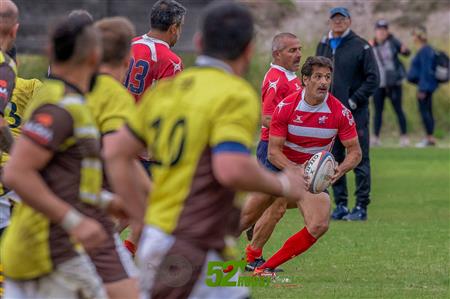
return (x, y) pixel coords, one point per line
(347, 32)
(75, 88)
(208, 61)
(305, 107)
(155, 40)
(290, 75)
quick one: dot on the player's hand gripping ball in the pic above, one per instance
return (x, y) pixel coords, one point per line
(319, 171)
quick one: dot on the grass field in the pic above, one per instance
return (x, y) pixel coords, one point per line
(402, 251)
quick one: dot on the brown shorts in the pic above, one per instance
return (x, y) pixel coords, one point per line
(112, 261)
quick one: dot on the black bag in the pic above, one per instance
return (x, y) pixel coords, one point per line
(442, 68)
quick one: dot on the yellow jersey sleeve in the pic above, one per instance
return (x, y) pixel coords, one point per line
(236, 118)
(137, 124)
(111, 104)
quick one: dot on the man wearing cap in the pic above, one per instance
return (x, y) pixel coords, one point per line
(387, 49)
(355, 79)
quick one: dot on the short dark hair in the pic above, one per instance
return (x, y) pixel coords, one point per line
(165, 13)
(320, 61)
(72, 38)
(117, 33)
(82, 14)
(227, 30)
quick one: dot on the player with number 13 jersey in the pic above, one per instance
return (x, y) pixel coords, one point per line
(152, 60)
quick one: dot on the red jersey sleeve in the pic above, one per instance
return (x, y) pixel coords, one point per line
(281, 116)
(347, 126)
(171, 66)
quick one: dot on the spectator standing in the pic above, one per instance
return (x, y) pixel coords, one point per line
(421, 73)
(355, 79)
(387, 48)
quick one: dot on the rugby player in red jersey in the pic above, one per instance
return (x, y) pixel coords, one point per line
(303, 124)
(279, 82)
(152, 58)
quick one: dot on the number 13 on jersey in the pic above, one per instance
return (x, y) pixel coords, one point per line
(137, 74)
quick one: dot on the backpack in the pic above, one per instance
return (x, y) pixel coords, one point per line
(442, 67)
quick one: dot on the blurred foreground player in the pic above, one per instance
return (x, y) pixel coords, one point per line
(9, 15)
(55, 168)
(200, 138)
(112, 105)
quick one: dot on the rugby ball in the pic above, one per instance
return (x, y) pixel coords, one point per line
(319, 170)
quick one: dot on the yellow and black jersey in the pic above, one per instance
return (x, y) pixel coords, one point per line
(22, 95)
(15, 109)
(8, 73)
(58, 120)
(184, 121)
(111, 104)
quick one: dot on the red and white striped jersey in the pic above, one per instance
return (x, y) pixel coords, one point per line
(278, 83)
(151, 61)
(310, 129)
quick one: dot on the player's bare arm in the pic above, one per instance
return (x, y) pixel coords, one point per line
(275, 153)
(265, 120)
(228, 167)
(351, 160)
(120, 153)
(22, 174)
(6, 138)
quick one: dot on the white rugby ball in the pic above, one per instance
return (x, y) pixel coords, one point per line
(319, 170)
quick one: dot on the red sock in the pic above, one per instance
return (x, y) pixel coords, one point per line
(295, 245)
(252, 253)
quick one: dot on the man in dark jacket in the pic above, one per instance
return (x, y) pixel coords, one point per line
(355, 79)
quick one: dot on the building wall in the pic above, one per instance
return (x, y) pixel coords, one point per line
(37, 16)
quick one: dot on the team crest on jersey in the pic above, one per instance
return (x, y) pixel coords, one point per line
(348, 115)
(298, 119)
(322, 119)
(176, 66)
(273, 85)
(281, 105)
(297, 87)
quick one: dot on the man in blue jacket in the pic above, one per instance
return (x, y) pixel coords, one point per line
(421, 73)
(355, 79)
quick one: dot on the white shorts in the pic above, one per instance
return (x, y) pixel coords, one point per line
(5, 207)
(73, 279)
(159, 253)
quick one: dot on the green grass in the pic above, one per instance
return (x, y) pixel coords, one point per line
(402, 251)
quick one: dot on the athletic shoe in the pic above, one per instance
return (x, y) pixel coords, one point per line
(357, 214)
(249, 233)
(250, 267)
(265, 272)
(339, 212)
(375, 141)
(404, 141)
(425, 143)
